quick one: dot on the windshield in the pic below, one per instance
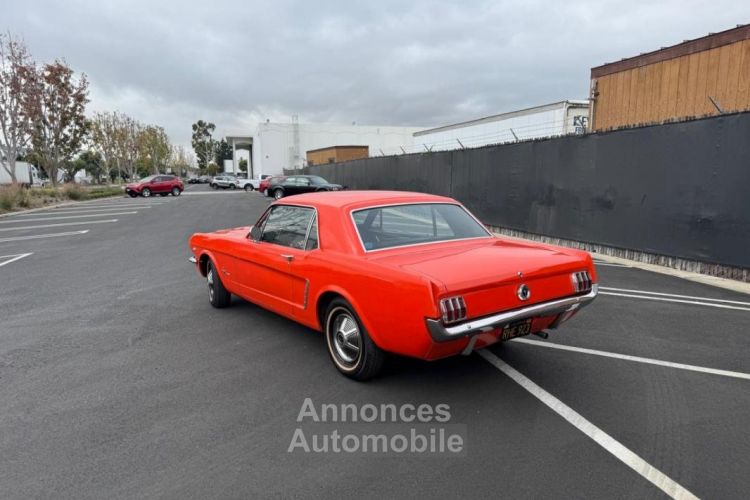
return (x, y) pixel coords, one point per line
(400, 225)
(316, 180)
(149, 178)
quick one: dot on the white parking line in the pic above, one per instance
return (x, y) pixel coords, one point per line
(120, 206)
(674, 295)
(38, 236)
(77, 223)
(610, 444)
(637, 359)
(65, 217)
(677, 301)
(66, 212)
(13, 258)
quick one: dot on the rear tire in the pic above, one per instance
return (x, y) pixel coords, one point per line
(278, 194)
(218, 296)
(352, 350)
(232, 187)
(176, 191)
(248, 187)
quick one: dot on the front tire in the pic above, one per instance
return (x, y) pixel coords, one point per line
(351, 349)
(218, 296)
(146, 193)
(232, 187)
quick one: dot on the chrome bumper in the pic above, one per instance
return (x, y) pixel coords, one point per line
(442, 333)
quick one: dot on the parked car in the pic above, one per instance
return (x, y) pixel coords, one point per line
(224, 182)
(248, 184)
(194, 180)
(393, 272)
(156, 184)
(267, 180)
(299, 184)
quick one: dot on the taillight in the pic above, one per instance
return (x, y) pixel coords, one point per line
(581, 281)
(453, 309)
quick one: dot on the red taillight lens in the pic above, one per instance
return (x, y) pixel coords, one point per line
(453, 309)
(581, 281)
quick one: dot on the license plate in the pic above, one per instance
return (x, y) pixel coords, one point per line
(517, 329)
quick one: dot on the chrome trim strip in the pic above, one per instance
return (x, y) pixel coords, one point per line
(386, 205)
(442, 333)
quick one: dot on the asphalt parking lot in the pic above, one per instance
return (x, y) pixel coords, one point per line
(119, 380)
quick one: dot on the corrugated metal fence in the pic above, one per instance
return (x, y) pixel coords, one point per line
(678, 189)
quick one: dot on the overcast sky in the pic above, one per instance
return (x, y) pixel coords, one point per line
(379, 62)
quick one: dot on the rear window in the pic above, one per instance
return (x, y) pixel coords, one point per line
(400, 225)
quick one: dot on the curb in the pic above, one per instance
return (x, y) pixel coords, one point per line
(705, 279)
(55, 205)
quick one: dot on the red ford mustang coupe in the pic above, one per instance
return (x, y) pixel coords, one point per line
(405, 273)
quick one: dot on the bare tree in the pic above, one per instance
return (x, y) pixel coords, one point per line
(17, 82)
(60, 124)
(180, 160)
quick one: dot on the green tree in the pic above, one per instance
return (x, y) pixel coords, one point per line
(154, 148)
(243, 165)
(58, 113)
(223, 152)
(212, 169)
(203, 142)
(90, 161)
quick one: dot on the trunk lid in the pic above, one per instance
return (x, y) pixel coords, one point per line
(488, 273)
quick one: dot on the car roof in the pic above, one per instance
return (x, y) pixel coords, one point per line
(363, 199)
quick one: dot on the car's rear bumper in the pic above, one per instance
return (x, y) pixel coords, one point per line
(558, 307)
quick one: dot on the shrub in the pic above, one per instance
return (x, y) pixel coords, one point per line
(74, 192)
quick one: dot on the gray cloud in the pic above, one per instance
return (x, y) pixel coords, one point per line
(386, 62)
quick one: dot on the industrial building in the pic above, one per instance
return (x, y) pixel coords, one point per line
(558, 118)
(705, 76)
(274, 147)
(337, 153)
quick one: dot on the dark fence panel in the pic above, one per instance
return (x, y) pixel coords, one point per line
(679, 189)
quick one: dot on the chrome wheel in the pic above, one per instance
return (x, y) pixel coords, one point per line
(347, 340)
(278, 194)
(210, 281)
(146, 193)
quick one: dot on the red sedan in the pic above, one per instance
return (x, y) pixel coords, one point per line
(156, 184)
(405, 273)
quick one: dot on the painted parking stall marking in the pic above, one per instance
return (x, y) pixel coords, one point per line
(40, 236)
(677, 299)
(65, 217)
(610, 444)
(44, 226)
(637, 359)
(7, 259)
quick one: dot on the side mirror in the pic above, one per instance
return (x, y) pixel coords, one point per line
(255, 233)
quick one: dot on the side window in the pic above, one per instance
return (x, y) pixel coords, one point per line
(287, 226)
(312, 238)
(303, 181)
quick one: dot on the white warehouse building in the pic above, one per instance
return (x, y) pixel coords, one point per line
(276, 146)
(559, 118)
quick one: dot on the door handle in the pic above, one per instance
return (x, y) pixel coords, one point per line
(288, 257)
